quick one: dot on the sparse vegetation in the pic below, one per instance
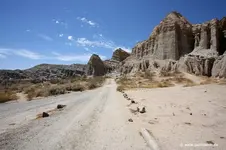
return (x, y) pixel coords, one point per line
(7, 96)
(53, 87)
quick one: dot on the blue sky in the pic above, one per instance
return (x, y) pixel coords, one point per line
(69, 31)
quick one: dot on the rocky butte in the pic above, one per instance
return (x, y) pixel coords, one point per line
(176, 44)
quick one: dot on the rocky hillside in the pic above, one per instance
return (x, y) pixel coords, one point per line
(43, 72)
(176, 44)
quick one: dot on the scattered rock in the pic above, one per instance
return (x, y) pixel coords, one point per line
(188, 108)
(12, 124)
(222, 137)
(125, 95)
(133, 102)
(45, 114)
(188, 123)
(60, 106)
(130, 120)
(173, 114)
(205, 91)
(210, 142)
(191, 114)
(138, 109)
(143, 110)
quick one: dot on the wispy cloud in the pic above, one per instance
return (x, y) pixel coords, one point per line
(28, 54)
(57, 21)
(100, 43)
(86, 21)
(20, 52)
(61, 35)
(2, 56)
(83, 58)
(45, 37)
(72, 57)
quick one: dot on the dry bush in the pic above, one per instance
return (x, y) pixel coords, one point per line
(157, 84)
(7, 96)
(75, 87)
(95, 82)
(120, 88)
(57, 90)
(208, 80)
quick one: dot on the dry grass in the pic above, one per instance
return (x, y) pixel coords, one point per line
(48, 89)
(164, 73)
(7, 96)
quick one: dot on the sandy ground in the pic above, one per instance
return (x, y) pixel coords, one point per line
(183, 117)
(92, 120)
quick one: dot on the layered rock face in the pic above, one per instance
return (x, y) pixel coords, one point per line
(95, 66)
(119, 55)
(191, 47)
(171, 39)
(219, 67)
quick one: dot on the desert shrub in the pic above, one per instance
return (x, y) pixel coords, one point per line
(54, 81)
(120, 88)
(95, 82)
(57, 90)
(7, 96)
(75, 87)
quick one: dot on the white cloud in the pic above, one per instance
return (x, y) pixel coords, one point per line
(100, 43)
(53, 56)
(27, 54)
(45, 37)
(28, 30)
(20, 52)
(89, 22)
(60, 23)
(70, 38)
(72, 57)
(86, 42)
(127, 49)
(103, 57)
(61, 35)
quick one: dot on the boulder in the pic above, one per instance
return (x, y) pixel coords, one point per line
(95, 66)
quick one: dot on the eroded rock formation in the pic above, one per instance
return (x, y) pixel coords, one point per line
(119, 55)
(95, 66)
(194, 48)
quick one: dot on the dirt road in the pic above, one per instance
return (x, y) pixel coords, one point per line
(91, 120)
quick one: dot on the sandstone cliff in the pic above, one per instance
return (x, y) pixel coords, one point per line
(119, 55)
(192, 47)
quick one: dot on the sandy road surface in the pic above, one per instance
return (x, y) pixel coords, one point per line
(91, 120)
